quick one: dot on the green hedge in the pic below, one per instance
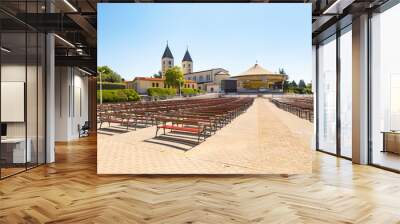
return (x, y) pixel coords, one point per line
(112, 85)
(189, 91)
(200, 91)
(118, 95)
(161, 92)
(298, 90)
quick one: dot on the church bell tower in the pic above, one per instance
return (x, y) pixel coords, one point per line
(167, 60)
(187, 63)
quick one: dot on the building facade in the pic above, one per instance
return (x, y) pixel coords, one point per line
(209, 80)
(142, 84)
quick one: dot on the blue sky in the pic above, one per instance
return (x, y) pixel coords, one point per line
(132, 37)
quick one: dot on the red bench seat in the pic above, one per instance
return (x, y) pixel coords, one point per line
(185, 129)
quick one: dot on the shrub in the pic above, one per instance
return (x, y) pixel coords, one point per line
(118, 95)
(131, 94)
(110, 85)
(161, 92)
(189, 91)
(200, 91)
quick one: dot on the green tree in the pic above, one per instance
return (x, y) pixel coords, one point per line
(293, 87)
(107, 74)
(308, 88)
(285, 86)
(157, 75)
(302, 84)
(293, 84)
(174, 77)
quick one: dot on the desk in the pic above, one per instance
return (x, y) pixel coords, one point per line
(391, 141)
(13, 150)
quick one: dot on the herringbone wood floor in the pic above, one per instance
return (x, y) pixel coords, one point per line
(69, 191)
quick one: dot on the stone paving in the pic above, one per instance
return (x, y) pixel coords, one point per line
(263, 140)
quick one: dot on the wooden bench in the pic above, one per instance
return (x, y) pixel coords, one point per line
(171, 123)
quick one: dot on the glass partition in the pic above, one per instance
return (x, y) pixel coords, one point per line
(385, 89)
(22, 107)
(327, 95)
(346, 93)
(14, 153)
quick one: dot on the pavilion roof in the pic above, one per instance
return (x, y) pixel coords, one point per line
(256, 69)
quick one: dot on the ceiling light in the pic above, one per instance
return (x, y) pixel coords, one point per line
(79, 51)
(5, 50)
(338, 6)
(333, 6)
(64, 40)
(70, 5)
(86, 72)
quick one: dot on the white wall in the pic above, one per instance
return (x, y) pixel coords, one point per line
(80, 112)
(33, 126)
(71, 102)
(12, 73)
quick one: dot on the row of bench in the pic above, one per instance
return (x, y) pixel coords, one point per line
(302, 107)
(202, 117)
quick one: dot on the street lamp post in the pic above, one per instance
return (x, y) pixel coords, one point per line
(101, 90)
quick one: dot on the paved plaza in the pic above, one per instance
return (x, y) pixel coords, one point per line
(263, 140)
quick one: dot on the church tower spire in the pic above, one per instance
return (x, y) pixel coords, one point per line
(187, 63)
(167, 60)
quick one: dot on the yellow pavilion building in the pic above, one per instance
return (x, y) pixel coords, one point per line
(257, 78)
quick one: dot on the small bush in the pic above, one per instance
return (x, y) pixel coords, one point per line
(161, 92)
(199, 91)
(111, 85)
(118, 95)
(189, 91)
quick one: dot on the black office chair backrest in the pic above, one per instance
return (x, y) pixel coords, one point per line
(86, 125)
